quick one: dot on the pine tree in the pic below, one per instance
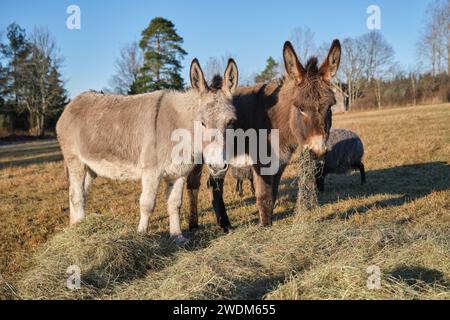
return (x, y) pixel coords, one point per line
(269, 73)
(58, 98)
(162, 55)
(15, 53)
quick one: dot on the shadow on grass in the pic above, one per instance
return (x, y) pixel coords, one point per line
(418, 276)
(256, 290)
(25, 154)
(28, 162)
(16, 139)
(403, 184)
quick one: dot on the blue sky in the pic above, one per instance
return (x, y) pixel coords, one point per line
(250, 30)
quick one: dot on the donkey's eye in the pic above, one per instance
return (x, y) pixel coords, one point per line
(203, 125)
(302, 110)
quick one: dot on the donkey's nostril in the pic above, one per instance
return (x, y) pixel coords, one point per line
(217, 170)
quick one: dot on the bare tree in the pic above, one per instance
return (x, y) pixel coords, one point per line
(213, 66)
(351, 70)
(378, 57)
(127, 69)
(322, 51)
(216, 66)
(434, 43)
(303, 42)
(42, 92)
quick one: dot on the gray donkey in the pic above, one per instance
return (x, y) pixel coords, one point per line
(131, 138)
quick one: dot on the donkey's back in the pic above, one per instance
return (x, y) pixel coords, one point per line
(108, 132)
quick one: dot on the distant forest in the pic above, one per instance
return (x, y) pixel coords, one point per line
(33, 93)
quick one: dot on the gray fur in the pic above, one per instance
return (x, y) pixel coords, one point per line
(129, 138)
(345, 153)
(241, 174)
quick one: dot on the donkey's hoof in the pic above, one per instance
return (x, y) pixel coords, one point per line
(193, 227)
(227, 229)
(180, 240)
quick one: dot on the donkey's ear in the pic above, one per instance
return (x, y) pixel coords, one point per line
(293, 66)
(231, 77)
(330, 66)
(198, 82)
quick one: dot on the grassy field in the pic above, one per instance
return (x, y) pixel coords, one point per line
(399, 221)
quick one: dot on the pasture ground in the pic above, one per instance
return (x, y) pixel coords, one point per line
(399, 221)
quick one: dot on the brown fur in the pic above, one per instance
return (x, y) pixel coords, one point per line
(299, 106)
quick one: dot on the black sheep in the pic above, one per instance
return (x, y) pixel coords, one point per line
(345, 153)
(241, 174)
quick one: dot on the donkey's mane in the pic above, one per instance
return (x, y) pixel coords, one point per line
(216, 82)
(311, 67)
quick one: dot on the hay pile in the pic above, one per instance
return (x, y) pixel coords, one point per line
(241, 265)
(301, 260)
(307, 194)
(106, 251)
(305, 260)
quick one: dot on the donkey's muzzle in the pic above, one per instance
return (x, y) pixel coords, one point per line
(317, 146)
(218, 171)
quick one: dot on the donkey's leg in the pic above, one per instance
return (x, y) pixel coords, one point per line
(252, 185)
(240, 187)
(276, 183)
(150, 185)
(193, 208)
(264, 196)
(237, 186)
(193, 185)
(174, 202)
(77, 173)
(89, 178)
(216, 192)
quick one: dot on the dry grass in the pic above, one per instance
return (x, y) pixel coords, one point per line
(107, 252)
(399, 221)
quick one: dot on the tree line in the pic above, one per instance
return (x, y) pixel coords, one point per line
(32, 92)
(370, 77)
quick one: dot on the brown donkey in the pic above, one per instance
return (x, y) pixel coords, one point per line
(299, 106)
